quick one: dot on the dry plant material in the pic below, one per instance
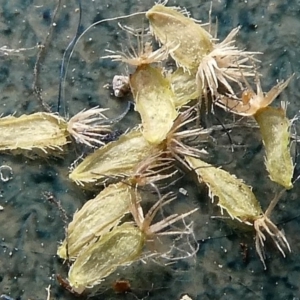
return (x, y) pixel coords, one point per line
(154, 101)
(143, 55)
(224, 64)
(275, 131)
(115, 159)
(241, 204)
(274, 127)
(197, 52)
(97, 217)
(50, 132)
(152, 169)
(90, 126)
(118, 159)
(251, 101)
(183, 85)
(176, 142)
(121, 246)
(150, 89)
(172, 25)
(42, 131)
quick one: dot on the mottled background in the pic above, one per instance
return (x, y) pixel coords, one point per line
(31, 227)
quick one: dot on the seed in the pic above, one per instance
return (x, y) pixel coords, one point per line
(42, 131)
(170, 26)
(183, 85)
(275, 131)
(234, 195)
(154, 101)
(241, 204)
(117, 158)
(96, 218)
(121, 246)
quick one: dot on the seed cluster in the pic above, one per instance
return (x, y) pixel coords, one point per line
(112, 230)
(206, 69)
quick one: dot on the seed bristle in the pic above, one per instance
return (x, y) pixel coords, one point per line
(87, 127)
(264, 223)
(223, 64)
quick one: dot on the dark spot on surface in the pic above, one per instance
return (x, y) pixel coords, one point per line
(108, 64)
(252, 27)
(43, 234)
(44, 176)
(4, 73)
(112, 136)
(47, 15)
(121, 286)
(251, 153)
(7, 31)
(233, 265)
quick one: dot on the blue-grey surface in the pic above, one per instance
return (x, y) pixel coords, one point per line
(31, 227)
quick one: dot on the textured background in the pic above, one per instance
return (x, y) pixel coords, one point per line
(30, 226)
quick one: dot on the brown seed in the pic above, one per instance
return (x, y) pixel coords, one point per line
(121, 286)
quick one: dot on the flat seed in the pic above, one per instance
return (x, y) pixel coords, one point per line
(275, 131)
(234, 195)
(154, 101)
(171, 27)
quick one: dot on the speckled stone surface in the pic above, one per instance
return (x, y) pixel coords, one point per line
(31, 227)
